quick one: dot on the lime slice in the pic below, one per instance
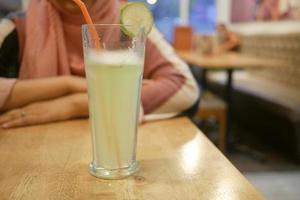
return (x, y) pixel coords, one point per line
(136, 15)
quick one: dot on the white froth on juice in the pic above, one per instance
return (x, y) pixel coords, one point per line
(113, 58)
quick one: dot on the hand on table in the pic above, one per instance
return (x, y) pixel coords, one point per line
(45, 89)
(65, 108)
(40, 113)
(76, 84)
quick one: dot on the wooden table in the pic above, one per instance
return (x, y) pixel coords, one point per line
(177, 162)
(226, 61)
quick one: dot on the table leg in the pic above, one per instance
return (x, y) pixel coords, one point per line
(228, 98)
(228, 92)
(204, 79)
(231, 141)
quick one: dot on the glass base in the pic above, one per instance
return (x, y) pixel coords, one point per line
(113, 174)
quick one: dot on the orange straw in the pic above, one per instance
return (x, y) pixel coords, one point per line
(89, 21)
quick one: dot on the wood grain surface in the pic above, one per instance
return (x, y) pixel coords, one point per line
(226, 61)
(177, 163)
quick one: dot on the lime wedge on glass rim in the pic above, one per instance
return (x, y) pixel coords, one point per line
(136, 15)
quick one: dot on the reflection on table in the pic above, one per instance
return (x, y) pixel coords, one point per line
(177, 162)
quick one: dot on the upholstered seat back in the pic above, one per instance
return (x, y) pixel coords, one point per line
(284, 48)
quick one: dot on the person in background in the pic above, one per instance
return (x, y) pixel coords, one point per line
(227, 40)
(7, 6)
(273, 10)
(42, 76)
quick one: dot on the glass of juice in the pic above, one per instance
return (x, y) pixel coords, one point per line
(114, 75)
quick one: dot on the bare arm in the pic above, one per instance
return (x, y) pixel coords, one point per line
(63, 108)
(28, 91)
(232, 42)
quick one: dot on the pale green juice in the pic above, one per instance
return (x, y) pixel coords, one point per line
(114, 80)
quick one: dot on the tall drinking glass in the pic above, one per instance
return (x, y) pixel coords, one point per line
(114, 75)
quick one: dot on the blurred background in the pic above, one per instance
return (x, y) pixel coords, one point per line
(262, 122)
(250, 108)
